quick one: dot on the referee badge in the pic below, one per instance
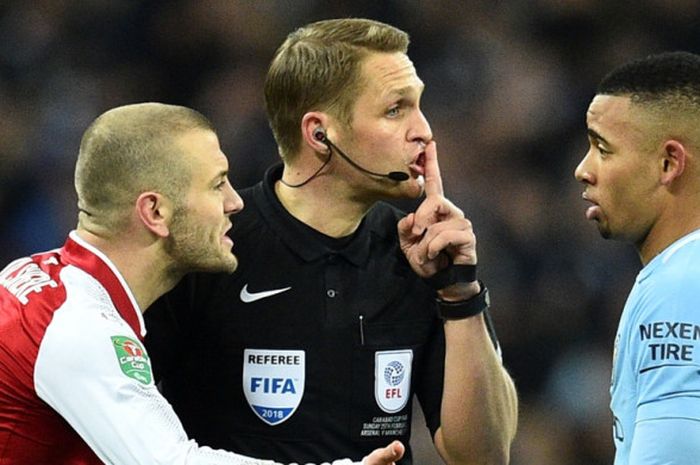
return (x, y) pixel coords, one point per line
(392, 379)
(273, 383)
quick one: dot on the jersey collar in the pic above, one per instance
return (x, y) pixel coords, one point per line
(667, 253)
(298, 236)
(79, 253)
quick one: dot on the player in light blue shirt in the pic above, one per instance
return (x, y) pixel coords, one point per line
(642, 177)
(656, 381)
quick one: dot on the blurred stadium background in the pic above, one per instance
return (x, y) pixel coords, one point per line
(508, 84)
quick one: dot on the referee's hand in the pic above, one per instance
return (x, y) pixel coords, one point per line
(437, 233)
(385, 456)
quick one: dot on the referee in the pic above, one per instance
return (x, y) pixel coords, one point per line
(336, 316)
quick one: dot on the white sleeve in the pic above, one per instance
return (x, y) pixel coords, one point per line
(117, 410)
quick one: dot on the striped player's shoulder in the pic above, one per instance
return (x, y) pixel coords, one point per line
(33, 275)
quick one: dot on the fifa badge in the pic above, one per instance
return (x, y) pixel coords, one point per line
(273, 383)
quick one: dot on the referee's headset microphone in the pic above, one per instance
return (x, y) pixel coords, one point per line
(320, 135)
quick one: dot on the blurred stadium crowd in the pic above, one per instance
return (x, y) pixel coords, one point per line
(508, 84)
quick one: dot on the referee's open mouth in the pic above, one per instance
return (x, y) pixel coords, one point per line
(418, 166)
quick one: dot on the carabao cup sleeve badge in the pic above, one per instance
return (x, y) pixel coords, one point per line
(133, 359)
(273, 382)
(392, 379)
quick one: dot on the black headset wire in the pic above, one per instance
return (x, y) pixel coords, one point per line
(318, 171)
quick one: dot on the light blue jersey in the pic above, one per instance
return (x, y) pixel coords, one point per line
(656, 366)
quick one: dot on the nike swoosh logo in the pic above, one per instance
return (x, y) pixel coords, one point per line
(249, 297)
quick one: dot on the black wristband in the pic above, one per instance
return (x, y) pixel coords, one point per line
(452, 274)
(464, 308)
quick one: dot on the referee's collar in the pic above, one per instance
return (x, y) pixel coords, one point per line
(300, 237)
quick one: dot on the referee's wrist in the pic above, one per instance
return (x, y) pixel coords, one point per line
(465, 308)
(459, 291)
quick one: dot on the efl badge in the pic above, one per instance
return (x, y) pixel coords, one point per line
(392, 379)
(273, 382)
(133, 360)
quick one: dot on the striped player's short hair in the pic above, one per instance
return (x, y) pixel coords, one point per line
(129, 150)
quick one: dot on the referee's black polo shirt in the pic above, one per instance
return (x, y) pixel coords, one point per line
(303, 353)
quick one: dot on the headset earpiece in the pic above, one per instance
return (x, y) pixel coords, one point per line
(320, 134)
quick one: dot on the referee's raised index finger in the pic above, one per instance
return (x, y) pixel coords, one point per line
(433, 179)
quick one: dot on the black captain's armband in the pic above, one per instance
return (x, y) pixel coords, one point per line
(452, 274)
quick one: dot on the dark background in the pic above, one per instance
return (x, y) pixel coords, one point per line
(508, 84)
